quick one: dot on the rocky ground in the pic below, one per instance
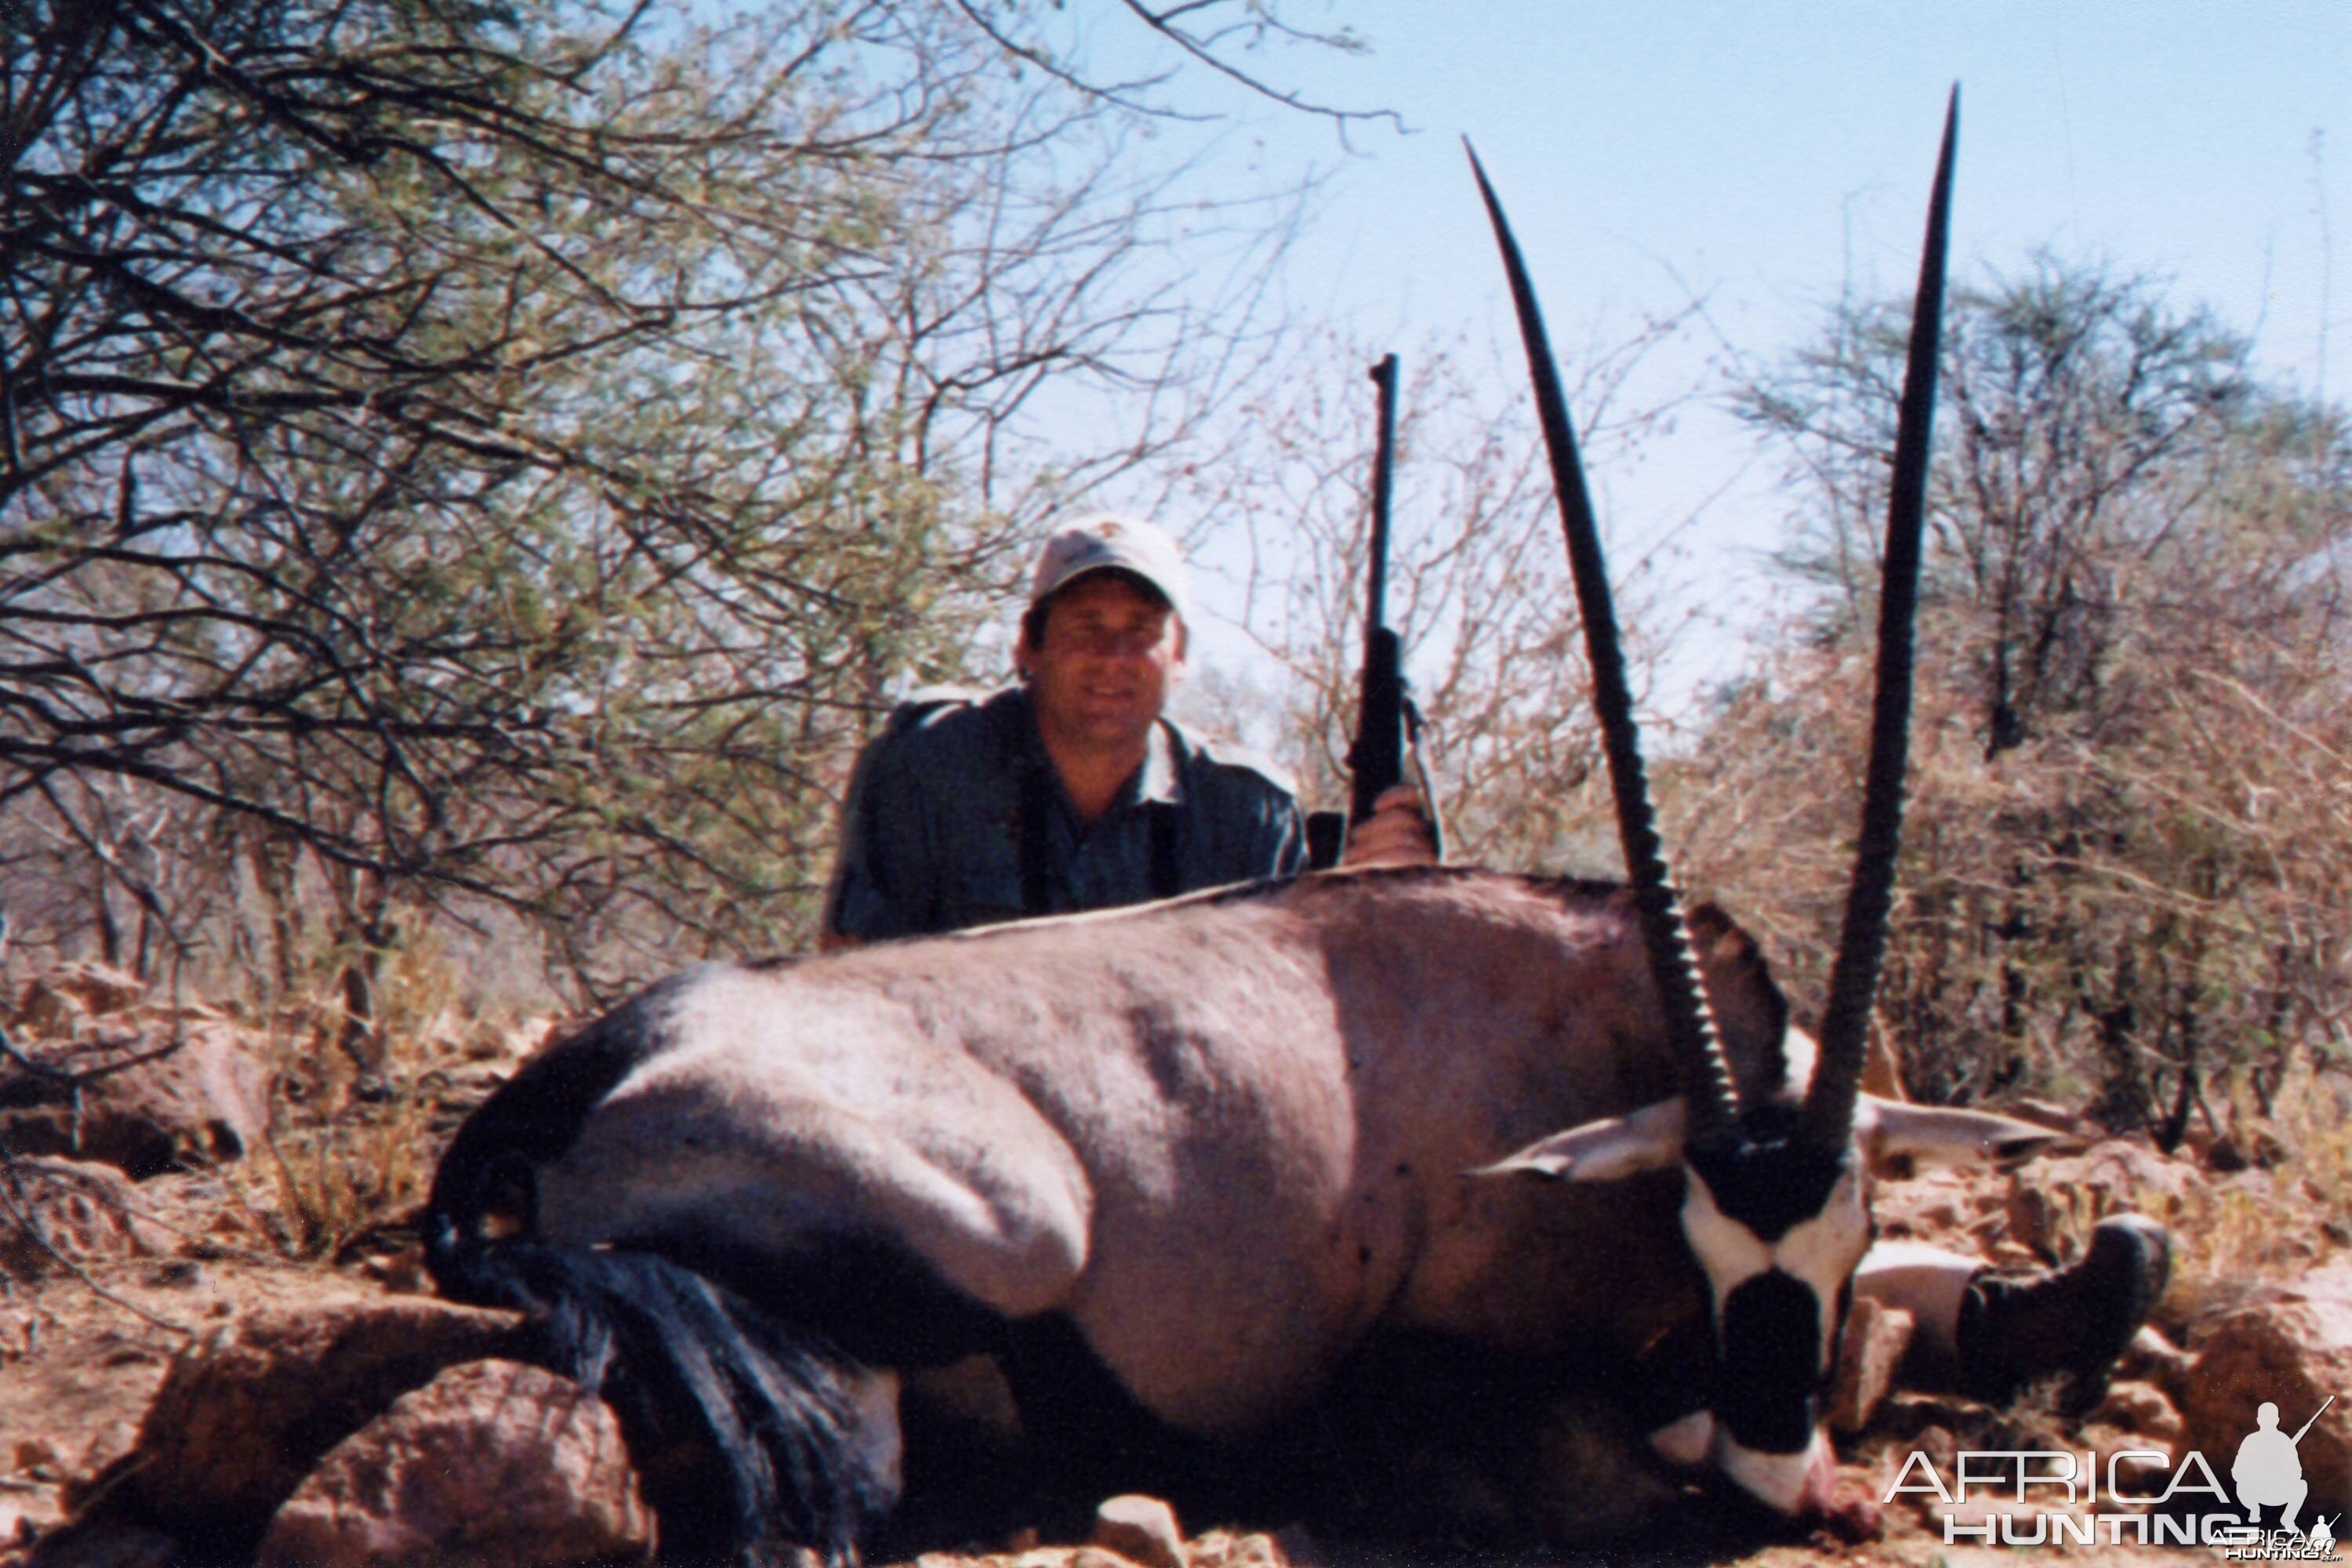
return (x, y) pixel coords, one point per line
(180, 1377)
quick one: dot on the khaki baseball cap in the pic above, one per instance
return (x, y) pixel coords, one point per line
(1111, 543)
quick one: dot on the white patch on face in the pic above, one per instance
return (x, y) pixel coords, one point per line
(1726, 1249)
(1821, 1252)
(1686, 1442)
(1786, 1481)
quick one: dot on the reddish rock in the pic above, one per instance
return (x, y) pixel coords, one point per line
(2057, 1201)
(1876, 1338)
(1853, 1515)
(1252, 1549)
(2143, 1410)
(148, 1093)
(1946, 1205)
(69, 1213)
(1140, 1529)
(243, 1417)
(493, 1464)
(2292, 1350)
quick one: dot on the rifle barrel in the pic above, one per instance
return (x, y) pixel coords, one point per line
(1384, 376)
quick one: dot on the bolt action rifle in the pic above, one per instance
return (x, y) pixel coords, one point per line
(1387, 725)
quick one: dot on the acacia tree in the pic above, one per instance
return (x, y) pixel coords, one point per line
(2082, 420)
(501, 454)
(2123, 868)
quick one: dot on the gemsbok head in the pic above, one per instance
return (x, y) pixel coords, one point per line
(1775, 1210)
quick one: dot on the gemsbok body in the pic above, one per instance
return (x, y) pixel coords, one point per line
(1197, 1161)
(1228, 1141)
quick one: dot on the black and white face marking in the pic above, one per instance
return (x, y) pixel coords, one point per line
(1779, 1227)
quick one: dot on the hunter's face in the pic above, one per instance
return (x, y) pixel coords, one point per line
(1108, 658)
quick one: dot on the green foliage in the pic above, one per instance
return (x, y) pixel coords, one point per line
(507, 454)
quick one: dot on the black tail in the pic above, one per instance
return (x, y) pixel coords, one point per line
(708, 1387)
(743, 1427)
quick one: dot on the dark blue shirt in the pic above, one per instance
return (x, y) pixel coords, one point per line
(956, 818)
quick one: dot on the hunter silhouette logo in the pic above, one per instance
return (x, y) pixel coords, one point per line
(2061, 1498)
(2269, 1468)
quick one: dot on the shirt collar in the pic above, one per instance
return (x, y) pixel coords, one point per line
(1159, 779)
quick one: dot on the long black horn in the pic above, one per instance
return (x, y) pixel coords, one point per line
(1710, 1098)
(1861, 943)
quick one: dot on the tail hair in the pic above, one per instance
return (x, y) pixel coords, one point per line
(688, 1366)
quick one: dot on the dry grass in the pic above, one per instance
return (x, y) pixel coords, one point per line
(352, 1145)
(2267, 1224)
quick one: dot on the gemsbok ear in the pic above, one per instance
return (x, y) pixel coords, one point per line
(1884, 1128)
(1606, 1151)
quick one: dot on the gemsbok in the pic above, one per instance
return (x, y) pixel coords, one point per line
(1178, 1169)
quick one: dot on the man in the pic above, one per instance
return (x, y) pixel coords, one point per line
(1072, 790)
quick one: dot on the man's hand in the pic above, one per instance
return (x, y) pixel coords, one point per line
(1396, 834)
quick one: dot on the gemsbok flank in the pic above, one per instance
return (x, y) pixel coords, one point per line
(1191, 1163)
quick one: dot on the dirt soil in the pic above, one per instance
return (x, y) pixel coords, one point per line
(81, 1354)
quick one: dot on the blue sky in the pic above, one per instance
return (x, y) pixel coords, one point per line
(1749, 147)
(1765, 153)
